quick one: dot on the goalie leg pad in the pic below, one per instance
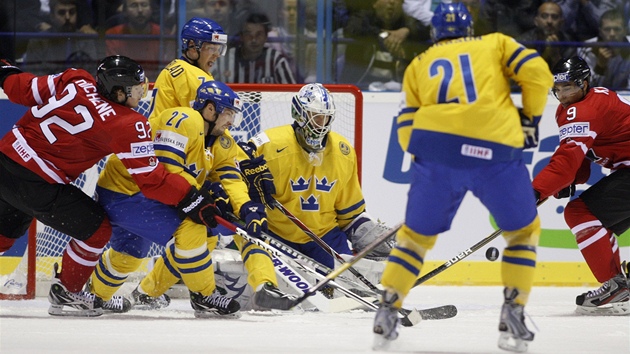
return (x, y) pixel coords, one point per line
(363, 230)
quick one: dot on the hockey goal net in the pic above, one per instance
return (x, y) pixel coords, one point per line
(264, 106)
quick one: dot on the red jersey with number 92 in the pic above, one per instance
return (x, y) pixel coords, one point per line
(70, 127)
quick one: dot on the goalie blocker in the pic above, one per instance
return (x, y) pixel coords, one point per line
(363, 230)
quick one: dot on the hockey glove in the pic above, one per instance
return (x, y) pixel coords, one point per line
(199, 207)
(537, 195)
(249, 149)
(259, 181)
(255, 218)
(530, 130)
(6, 69)
(219, 195)
(566, 192)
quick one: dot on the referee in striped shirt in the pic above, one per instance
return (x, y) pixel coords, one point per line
(252, 61)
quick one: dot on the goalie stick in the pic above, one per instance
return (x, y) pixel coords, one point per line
(410, 317)
(465, 253)
(406, 313)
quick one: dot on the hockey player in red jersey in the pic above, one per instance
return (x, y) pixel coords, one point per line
(74, 121)
(594, 126)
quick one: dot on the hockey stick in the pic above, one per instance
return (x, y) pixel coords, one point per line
(465, 253)
(340, 259)
(410, 317)
(324, 245)
(343, 267)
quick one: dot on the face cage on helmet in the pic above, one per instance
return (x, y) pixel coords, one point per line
(313, 133)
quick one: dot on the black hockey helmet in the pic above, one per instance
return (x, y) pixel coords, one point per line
(572, 69)
(118, 72)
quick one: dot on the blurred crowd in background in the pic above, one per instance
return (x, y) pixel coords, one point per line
(368, 43)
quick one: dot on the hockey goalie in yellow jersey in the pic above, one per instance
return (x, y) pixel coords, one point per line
(315, 177)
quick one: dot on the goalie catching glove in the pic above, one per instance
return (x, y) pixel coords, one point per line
(255, 218)
(530, 129)
(363, 230)
(199, 206)
(257, 177)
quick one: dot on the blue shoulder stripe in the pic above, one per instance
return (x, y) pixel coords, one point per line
(524, 60)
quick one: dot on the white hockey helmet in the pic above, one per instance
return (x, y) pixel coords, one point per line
(313, 109)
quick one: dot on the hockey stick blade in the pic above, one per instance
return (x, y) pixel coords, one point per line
(433, 313)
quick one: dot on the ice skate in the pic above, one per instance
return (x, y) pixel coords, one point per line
(145, 302)
(611, 299)
(268, 296)
(386, 322)
(117, 304)
(66, 303)
(214, 305)
(514, 335)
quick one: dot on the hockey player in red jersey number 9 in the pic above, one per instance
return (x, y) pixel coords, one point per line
(594, 127)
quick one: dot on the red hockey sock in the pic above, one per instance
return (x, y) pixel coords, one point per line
(80, 258)
(6, 243)
(597, 244)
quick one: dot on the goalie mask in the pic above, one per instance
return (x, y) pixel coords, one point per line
(314, 111)
(117, 72)
(225, 100)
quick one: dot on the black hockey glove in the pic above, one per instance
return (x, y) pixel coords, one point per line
(219, 195)
(537, 195)
(566, 192)
(199, 207)
(6, 69)
(259, 180)
(249, 149)
(255, 218)
(530, 130)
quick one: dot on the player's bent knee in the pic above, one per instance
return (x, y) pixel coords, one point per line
(527, 235)
(123, 262)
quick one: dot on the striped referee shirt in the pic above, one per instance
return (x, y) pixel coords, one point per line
(270, 67)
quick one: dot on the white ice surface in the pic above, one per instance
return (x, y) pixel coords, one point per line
(26, 327)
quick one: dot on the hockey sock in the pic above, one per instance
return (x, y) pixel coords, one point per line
(260, 268)
(597, 244)
(111, 272)
(405, 262)
(80, 257)
(518, 264)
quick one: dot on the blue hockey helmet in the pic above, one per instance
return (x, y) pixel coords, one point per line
(200, 30)
(451, 21)
(222, 96)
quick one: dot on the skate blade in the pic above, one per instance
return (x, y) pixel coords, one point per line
(58, 310)
(207, 314)
(611, 309)
(509, 343)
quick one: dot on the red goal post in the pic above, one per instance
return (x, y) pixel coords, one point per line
(264, 106)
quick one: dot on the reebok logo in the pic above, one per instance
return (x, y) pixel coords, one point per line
(193, 205)
(255, 170)
(280, 150)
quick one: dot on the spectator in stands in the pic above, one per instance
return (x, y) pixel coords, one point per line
(224, 12)
(384, 42)
(84, 17)
(507, 16)
(610, 64)
(253, 61)
(289, 34)
(145, 47)
(581, 17)
(419, 9)
(548, 33)
(54, 54)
